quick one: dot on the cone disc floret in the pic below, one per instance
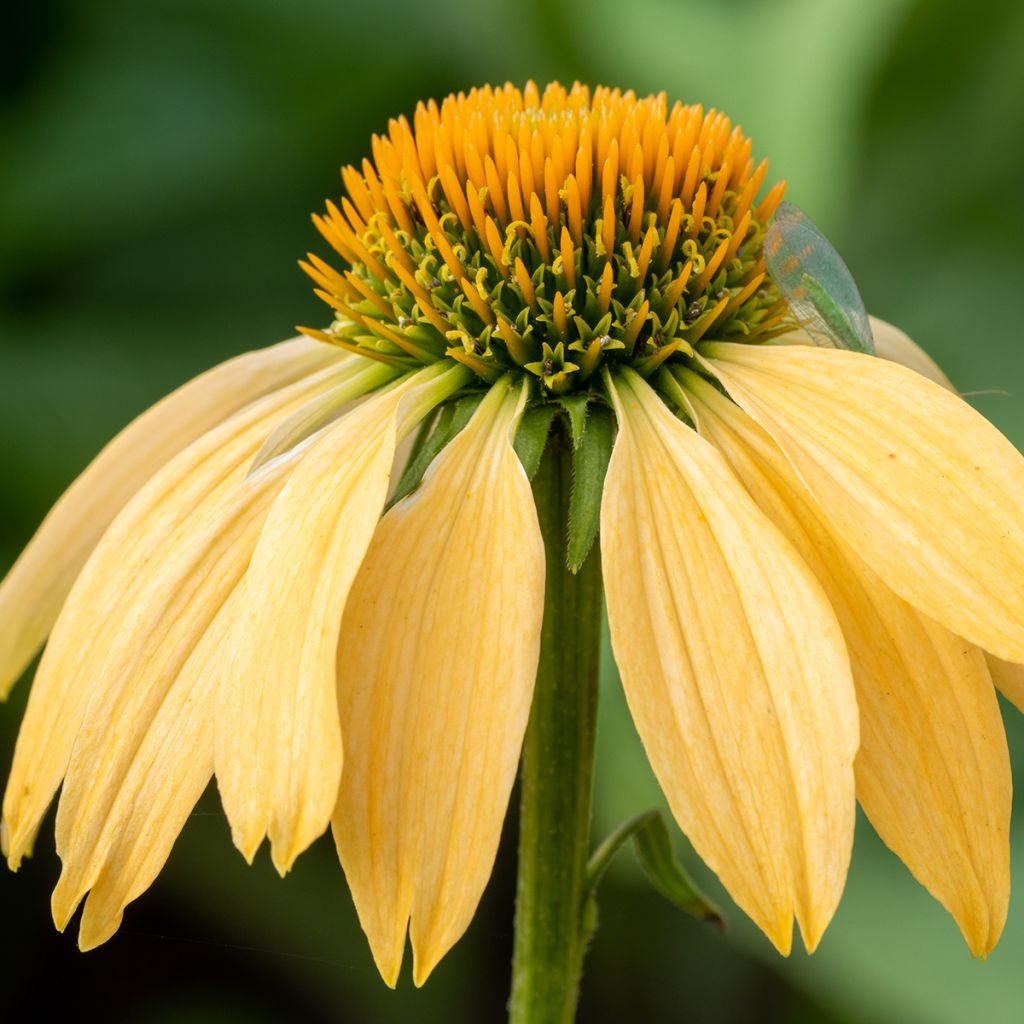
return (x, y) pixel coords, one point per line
(550, 234)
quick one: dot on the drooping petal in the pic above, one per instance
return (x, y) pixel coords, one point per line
(734, 669)
(33, 592)
(923, 488)
(933, 771)
(172, 608)
(161, 785)
(892, 344)
(1009, 678)
(278, 749)
(896, 346)
(436, 665)
(103, 601)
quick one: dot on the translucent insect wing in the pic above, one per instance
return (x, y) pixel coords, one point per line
(815, 282)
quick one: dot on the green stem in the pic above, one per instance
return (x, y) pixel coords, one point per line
(557, 770)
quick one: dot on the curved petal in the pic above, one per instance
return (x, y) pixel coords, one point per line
(278, 742)
(436, 666)
(734, 669)
(171, 768)
(103, 601)
(171, 611)
(136, 701)
(892, 344)
(933, 771)
(923, 488)
(33, 592)
(1009, 678)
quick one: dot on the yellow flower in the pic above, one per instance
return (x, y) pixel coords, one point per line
(813, 558)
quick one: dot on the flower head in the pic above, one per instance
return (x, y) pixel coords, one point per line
(556, 234)
(814, 558)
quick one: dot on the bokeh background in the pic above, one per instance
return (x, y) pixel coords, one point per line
(158, 163)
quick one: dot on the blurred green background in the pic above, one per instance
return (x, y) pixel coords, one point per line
(159, 163)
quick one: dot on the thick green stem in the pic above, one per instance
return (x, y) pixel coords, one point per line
(557, 770)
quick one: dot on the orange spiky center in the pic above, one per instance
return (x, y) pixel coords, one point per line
(550, 234)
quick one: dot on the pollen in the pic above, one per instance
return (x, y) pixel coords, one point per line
(550, 233)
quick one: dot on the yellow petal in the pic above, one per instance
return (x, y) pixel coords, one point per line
(923, 488)
(165, 778)
(278, 742)
(35, 589)
(1009, 678)
(892, 344)
(179, 597)
(734, 668)
(933, 771)
(155, 522)
(436, 666)
(170, 771)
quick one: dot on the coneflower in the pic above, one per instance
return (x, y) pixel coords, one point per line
(320, 574)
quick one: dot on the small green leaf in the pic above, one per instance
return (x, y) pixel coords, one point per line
(668, 876)
(576, 407)
(454, 416)
(532, 436)
(589, 466)
(654, 851)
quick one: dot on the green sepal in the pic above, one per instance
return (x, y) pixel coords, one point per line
(532, 436)
(575, 407)
(589, 466)
(454, 416)
(653, 848)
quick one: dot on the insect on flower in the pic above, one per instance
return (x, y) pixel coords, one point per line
(588, 315)
(815, 281)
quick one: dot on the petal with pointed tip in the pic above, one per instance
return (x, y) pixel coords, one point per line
(169, 772)
(172, 607)
(154, 523)
(933, 771)
(278, 749)
(734, 669)
(436, 666)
